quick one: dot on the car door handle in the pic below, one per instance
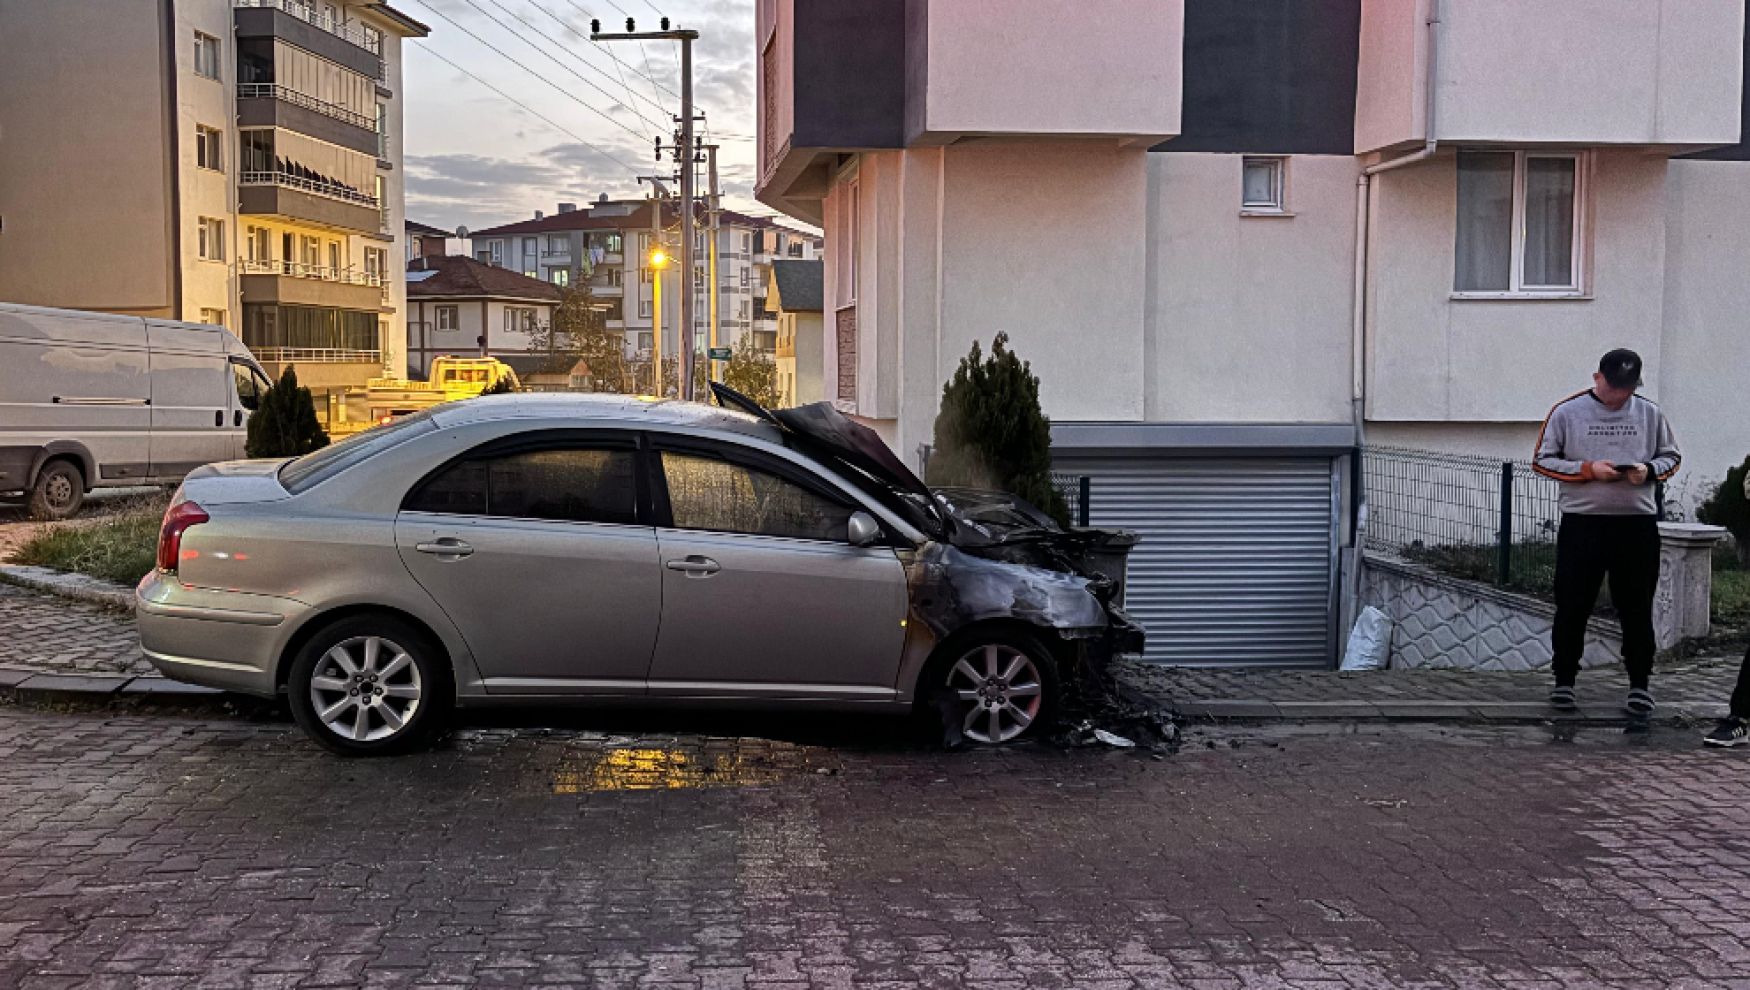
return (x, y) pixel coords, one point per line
(447, 546)
(694, 566)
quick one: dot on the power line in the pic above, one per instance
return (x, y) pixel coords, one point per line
(646, 73)
(677, 45)
(562, 47)
(549, 57)
(521, 65)
(528, 109)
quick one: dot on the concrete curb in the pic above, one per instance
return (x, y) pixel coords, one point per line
(23, 686)
(81, 587)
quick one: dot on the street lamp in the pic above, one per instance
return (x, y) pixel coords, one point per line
(658, 261)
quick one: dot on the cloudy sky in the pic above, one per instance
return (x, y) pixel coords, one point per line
(474, 157)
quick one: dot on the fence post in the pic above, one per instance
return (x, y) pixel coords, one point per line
(1086, 488)
(1504, 548)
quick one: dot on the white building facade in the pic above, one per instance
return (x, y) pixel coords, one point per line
(243, 162)
(1255, 305)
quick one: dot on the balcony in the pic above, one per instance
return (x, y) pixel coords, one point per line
(297, 284)
(274, 105)
(307, 27)
(563, 254)
(315, 355)
(606, 291)
(313, 200)
(1638, 74)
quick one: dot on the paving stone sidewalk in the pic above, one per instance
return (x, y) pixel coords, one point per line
(1697, 688)
(53, 635)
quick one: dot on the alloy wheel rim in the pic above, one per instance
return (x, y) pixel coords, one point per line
(365, 689)
(999, 691)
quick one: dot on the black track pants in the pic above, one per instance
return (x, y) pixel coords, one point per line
(1589, 549)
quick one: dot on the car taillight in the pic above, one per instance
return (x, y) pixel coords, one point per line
(177, 519)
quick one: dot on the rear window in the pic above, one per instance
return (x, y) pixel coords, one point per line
(312, 469)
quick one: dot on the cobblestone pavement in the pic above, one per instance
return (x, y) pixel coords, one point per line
(1705, 680)
(50, 634)
(157, 852)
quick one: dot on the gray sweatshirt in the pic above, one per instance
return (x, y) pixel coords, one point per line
(1582, 430)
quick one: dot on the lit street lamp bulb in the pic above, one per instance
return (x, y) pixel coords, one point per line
(658, 258)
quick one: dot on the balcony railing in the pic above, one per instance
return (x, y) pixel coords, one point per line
(287, 94)
(298, 269)
(310, 15)
(560, 253)
(316, 355)
(332, 190)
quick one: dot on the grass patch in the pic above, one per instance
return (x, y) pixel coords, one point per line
(1731, 601)
(120, 546)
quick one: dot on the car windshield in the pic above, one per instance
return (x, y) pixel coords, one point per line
(314, 468)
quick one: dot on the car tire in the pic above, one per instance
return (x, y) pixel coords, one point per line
(352, 693)
(992, 688)
(58, 493)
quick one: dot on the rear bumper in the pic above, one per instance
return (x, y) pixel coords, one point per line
(220, 639)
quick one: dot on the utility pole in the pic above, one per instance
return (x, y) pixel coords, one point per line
(656, 259)
(684, 152)
(714, 204)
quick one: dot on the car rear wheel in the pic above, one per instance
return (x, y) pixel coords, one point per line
(58, 492)
(369, 685)
(998, 688)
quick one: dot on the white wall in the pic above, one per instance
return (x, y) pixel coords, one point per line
(206, 193)
(1249, 317)
(1097, 67)
(1704, 371)
(1649, 72)
(1431, 357)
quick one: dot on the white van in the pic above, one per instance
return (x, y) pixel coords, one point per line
(93, 399)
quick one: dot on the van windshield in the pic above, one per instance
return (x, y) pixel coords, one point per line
(314, 468)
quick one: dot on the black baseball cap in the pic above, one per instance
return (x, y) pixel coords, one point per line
(1621, 368)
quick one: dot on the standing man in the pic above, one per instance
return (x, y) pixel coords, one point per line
(1607, 446)
(1734, 729)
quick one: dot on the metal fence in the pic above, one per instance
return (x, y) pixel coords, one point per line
(1077, 491)
(1472, 517)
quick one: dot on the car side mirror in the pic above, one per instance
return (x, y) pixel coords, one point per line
(863, 529)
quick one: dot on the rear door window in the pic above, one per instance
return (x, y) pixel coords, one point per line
(593, 483)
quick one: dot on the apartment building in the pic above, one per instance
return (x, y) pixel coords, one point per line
(1319, 223)
(235, 162)
(607, 247)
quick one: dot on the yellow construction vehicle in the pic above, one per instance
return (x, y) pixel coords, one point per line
(383, 399)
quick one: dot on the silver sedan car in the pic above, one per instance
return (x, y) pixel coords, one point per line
(548, 548)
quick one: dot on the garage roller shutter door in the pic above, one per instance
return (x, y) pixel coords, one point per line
(1236, 562)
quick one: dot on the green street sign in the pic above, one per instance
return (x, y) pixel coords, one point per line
(719, 353)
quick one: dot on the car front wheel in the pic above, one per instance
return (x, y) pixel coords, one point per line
(998, 688)
(367, 686)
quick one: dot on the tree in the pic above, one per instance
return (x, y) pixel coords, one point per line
(500, 387)
(579, 331)
(285, 424)
(753, 373)
(991, 432)
(1729, 506)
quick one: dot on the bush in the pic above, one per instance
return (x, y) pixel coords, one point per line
(1729, 507)
(286, 424)
(991, 432)
(753, 373)
(500, 387)
(122, 547)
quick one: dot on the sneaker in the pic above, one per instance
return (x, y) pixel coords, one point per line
(1639, 703)
(1734, 731)
(1562, 697)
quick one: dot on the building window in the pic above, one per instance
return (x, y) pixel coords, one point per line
(376, 262)
(213, 316)
(383, 131)
(747, 278)
(212, 239)
(484, 257)
(206, 55)
(531, 273)
(208, 149)
(647, 341)
(529, 247)
(1264, 185)
(644, 309)
(1520, 224)
(497, 252)
(559, 276)
(519, 319)
(334, 265)
(260, 244)
(647, 276)
(447, 318)
(847, 233)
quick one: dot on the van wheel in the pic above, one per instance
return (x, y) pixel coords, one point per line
(369, 685)
(59, 491)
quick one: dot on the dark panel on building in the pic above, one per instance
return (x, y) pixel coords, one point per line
(268, 22)
(264, 111)
(1270, 76)
(1739, 152)
(850, 73)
